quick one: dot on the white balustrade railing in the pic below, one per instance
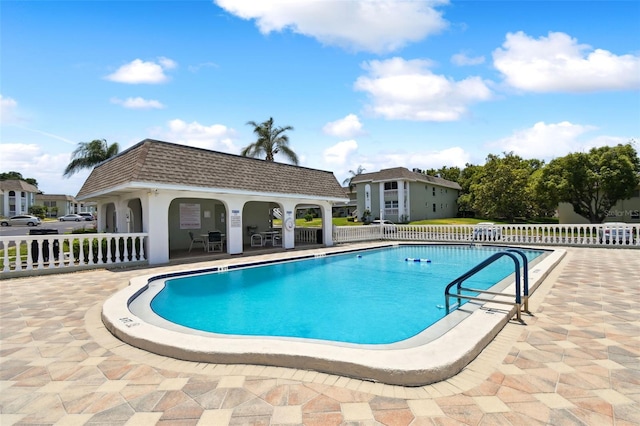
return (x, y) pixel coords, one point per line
(66, 252)
(306, 235)
(565, 235)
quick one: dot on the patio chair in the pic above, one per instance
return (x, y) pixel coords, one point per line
(214, 241)
(256, 240)
(196, 240)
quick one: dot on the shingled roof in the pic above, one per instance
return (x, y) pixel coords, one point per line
(55, 197)
(153, 162)
(396, 173)
(17, 185)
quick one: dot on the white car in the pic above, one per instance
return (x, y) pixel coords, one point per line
(381, 222)
(615, 232)
(485, 231)
(23, 219)
(87, 216)
(71, 218)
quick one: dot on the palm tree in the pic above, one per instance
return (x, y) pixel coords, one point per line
(348, 180)
(89, 154)
(271, 141)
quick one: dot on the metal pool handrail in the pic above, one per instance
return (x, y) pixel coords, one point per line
(518, 299)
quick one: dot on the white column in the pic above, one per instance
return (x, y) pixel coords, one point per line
(156, 225)
(381, 207)
(288, 224)
(400, 200)
(234, 225)
(327, 224)
(121, 215)
(101, 213)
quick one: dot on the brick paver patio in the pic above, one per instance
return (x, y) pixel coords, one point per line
(576, 362)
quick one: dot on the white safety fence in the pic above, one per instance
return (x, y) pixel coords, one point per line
(565, 235)
(306, 235)
(24, 254)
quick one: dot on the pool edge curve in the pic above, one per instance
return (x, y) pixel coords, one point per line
(420, 365)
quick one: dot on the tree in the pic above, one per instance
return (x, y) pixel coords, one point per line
(593, 182)
(18, 176)
(89, 154)
(448, 173)
(348, 180)
(468, 176)
(271, 141)
(540, 204)
(501, 188)
(39, 211)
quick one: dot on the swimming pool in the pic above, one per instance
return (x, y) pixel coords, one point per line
(434, 354)
(379, 296)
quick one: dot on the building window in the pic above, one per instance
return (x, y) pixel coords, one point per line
(390, 185)
(391, 204)
(434, 192)
(434, 207)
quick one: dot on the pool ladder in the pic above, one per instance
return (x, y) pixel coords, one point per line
(521, 300)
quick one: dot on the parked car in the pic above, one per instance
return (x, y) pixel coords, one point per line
(382, 222)
(23, 219)
(87, 216)
(71, 218)
(615, 232)
(487, 231)
(389, 227)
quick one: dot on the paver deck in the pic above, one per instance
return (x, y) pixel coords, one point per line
(575, 362)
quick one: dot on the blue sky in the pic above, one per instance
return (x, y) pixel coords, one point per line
(376, 84)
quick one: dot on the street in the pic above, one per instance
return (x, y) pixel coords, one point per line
(62, 227)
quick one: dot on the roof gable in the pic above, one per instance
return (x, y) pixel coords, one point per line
(157, 162)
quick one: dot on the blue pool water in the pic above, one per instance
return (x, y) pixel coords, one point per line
(367, 297)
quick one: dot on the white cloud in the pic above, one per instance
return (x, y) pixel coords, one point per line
(32, 161)
(557, 63)
(407, 90)
(139, 71)
(346, 127)
(138, 103)
(8, 108)
(215, 137)
(340, 152)
(546, 141)
(375, 25)
(378, 160)
(454, 156)
(462, 59)
(198, 67)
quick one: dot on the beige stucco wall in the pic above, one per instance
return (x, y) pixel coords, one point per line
(624, 211)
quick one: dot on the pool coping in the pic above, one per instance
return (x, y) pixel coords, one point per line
(408, 366)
